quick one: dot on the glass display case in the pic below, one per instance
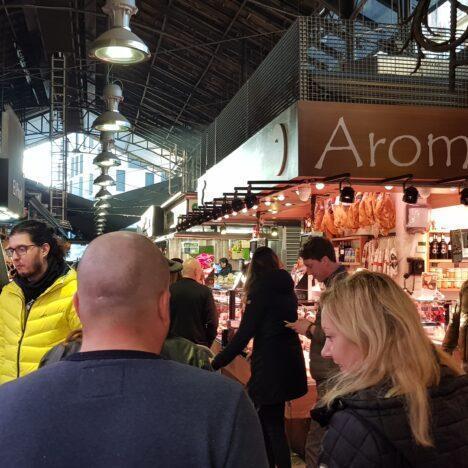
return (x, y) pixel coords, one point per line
(229, 306)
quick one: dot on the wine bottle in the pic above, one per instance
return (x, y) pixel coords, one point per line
(434, 248)
(443, 249)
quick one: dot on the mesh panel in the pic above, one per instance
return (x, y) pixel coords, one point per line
(360, 62)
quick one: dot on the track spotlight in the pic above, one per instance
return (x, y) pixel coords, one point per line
(464, 196)
(281, 197)
(410, 194)
(237, 204)
(303, 192)
(274, 231)
(119, 44)
(346, 193)
(319, 185)
(112, 120)
(251, 201)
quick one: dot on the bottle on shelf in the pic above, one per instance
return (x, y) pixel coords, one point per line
(439, 246)
(443, 249)
(433, 247)
(342, 252)
(449, 247)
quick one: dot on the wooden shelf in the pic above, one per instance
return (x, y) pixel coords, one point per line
(442, 260)
(450, 289)
(341, 239)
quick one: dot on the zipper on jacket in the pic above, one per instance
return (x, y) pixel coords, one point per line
(23, 330)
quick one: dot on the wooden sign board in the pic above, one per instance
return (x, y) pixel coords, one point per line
(370, 140)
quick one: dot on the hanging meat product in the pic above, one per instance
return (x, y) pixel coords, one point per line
(385, 214)
(328, 222)
(370, 205)
(363, 218)
(318, 214)
(340, 213)
(352, 221)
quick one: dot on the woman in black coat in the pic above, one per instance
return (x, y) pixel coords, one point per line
(277, 363)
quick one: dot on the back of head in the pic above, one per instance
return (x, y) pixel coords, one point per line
(121, 277)
(192, 269)
(264, 261)
(316, 248)
(375, 314)
(40, 233)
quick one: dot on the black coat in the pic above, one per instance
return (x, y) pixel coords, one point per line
(367, 430)
(193, 312)
(277, 363)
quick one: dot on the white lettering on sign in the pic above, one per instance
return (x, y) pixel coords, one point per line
(351, 146)
(373, 146)
(17, 190)
(416, 156)
(391, 148)
(448, 143)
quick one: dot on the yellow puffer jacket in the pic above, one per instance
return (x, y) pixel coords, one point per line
(50, 320)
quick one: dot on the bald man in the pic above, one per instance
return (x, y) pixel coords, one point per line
(117, 403)
(193, 311)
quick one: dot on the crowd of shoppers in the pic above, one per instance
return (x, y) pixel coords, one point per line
(387, 396)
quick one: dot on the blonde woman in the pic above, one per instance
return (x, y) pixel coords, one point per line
(397, 400)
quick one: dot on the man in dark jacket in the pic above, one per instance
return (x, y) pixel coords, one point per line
(117, 403)
(193, 311)
(319, 257)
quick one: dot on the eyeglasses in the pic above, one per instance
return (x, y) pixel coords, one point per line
(21, 250)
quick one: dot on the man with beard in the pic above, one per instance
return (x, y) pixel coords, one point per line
(36, 308)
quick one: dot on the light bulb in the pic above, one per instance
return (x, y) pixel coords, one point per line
(281, 197)
(319, 185)
(388, 187)
(118, 52)
(255, 207)
(226, 216)
(288, 204)
(234, 213)
(245, 210)
(268, 203)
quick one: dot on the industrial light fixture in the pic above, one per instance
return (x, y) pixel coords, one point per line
(104, 179)
(106, 158)
(112, 120)
(119, 44)
(102, 212)
(319, 185)
(223, 230)
(274, 231)
(226, 208)
(103, 194)
(346, 193)
(102, 204)
(410, 194)
(464, 196)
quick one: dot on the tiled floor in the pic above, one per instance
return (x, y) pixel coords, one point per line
(296, 461)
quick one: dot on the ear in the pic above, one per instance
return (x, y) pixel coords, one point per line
(76, 303)
(163, 309)
(45, 249)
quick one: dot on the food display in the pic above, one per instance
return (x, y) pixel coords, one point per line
(371, 210)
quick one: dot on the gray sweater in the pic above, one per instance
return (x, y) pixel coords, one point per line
(127, 409)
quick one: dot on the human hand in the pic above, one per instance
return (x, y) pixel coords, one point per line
(299, 326)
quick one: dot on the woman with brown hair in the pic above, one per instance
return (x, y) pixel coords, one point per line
(397, 400)
(277, 363)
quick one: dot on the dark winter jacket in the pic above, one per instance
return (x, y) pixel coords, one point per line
(193, 312)
(368, 430)
(277, 363)
(186, 352)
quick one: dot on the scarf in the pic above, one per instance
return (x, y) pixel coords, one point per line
(32, 291)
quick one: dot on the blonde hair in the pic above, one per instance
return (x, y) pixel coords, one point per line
(375, 314)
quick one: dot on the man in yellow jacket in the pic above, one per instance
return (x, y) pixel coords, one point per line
(36, 308)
